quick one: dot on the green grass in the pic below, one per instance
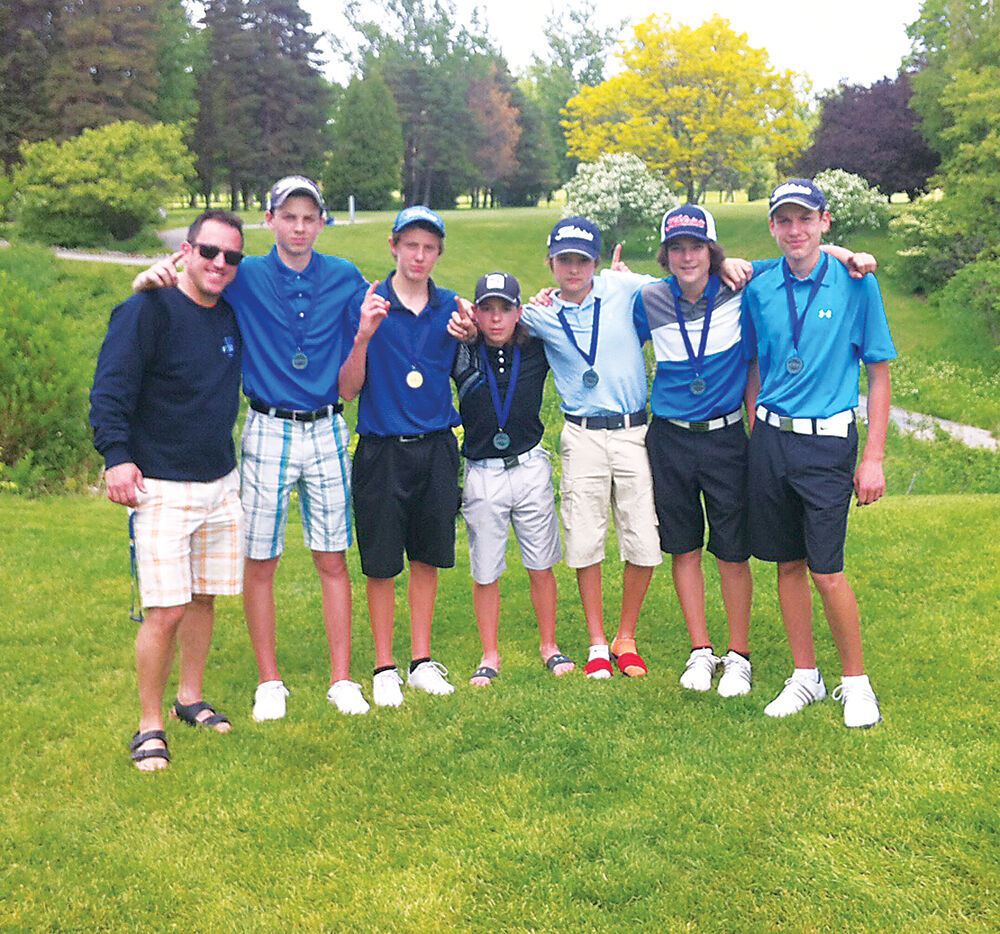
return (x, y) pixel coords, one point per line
(537, 805)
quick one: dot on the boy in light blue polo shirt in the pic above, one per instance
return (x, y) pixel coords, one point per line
(600, 374)
(809, 326)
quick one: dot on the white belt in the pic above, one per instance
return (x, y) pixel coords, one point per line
(713, 424)
(506, 463)
(836, 426)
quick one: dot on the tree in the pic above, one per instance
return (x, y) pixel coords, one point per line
(575, 58)
(690, 102)
(494, 118)
(106, 182)
(535, 173)
(26, 40)
(366, 157)
(103, 65)
(871, 132)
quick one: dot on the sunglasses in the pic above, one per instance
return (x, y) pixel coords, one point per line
(232, 257)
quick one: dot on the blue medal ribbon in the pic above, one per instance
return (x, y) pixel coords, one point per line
(501, 409)
(794, 318)
(711, 291)
(588, 357)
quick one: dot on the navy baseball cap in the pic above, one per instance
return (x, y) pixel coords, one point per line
(292, 185)
(688, 221)
(575, 235)
(498, 285)
(415, 214)
(801, 191)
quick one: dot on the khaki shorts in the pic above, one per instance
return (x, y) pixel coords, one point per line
(188, 540)
(602, 469)
(496, 498)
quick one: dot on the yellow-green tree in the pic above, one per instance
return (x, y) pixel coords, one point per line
(692, 102)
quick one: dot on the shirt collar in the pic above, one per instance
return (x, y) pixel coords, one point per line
(433, 299)
(286, 272)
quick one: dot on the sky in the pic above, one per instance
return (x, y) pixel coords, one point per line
(860, 41)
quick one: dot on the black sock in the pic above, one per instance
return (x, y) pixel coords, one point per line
(745, 655)
(418, 661)
(379, 671)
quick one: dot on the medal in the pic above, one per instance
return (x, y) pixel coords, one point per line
(300, 361)
(697, 359)
(590, 377)
(794, 363)
(501, 407)
(414, 379)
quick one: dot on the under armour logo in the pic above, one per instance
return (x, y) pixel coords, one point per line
(826, 314)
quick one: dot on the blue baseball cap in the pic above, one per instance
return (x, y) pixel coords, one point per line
(575, 235)
(801, 191)
(688, 221)
(417, 214)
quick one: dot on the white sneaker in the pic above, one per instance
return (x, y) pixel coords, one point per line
(794, 696)
(347, 697)
(269, 701)
(430, 677)
(698, 671)
(386, 690)
(737, 675)
(860, 703)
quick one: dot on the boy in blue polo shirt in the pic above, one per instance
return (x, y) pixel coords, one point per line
(810, 325)
(405, 471)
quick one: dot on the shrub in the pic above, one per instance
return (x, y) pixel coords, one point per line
(618, 193)
(932, 245)
(44, 436)
(974, 288)
(106, 183)
(853, 203)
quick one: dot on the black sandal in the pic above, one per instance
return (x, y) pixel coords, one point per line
(189, 714)
(140, 755)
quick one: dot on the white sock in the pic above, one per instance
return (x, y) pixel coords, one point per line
(855, 681)
(809, 675)
(599, 651)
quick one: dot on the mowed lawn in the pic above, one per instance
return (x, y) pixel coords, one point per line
(537, 804)
(534, 805)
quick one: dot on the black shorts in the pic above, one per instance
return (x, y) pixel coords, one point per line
(800, 494)
(689, 466)
(406, 499)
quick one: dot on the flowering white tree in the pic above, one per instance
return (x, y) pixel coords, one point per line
(618, 192)
(853, 203)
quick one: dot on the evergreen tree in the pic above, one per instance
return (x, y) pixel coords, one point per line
(26, 39)
(103, 67)
(366, 156)
(535, 175)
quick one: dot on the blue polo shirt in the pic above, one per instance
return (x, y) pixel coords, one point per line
(281, 312)
(620, 365)
(403, 342)
(724, 368)
(845, 326)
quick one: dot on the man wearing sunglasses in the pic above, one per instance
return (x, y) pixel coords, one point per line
(292, 310)
(163, 406)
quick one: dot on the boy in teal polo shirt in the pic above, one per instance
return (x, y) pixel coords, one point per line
(810, 325)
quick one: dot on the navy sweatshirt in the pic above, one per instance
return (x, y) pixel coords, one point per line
(166, 390)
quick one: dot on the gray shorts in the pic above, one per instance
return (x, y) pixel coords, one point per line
(496, 498)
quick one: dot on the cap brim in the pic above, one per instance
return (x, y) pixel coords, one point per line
(590, 254)
(801, 202)
(506, 298)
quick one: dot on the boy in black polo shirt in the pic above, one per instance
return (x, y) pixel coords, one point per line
(500, 379)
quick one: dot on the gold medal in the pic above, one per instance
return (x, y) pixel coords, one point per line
(414, 379)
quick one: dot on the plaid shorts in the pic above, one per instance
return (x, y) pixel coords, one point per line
(188, 540)
(311, 457)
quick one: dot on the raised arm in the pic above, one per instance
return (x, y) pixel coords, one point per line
(374, 308)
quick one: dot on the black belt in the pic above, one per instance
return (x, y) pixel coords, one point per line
(294, 414)
(406, 439)
(610, 422)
